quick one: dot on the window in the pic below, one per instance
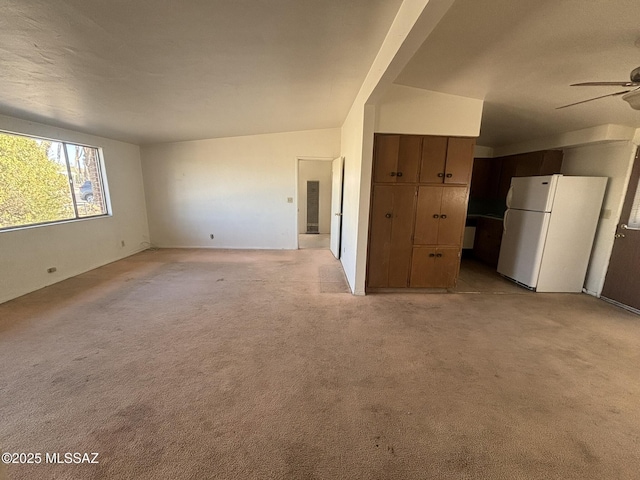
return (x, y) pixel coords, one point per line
(47, 181)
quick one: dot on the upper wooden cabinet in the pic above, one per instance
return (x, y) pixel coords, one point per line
(397, 158)
(491, 177)
(544, 162)
(446, 160)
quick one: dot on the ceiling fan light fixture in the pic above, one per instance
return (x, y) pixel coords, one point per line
(633, 99)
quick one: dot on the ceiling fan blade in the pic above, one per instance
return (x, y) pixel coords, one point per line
(606, 84)
(594, 98)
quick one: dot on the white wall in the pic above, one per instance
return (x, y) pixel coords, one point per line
(78, 246)
(613, 160)
(356, 132)
(234, 188)
(412, 110)
(318, 170)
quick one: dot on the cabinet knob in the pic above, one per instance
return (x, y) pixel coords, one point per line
(435, 215)
(438, 254)
(393, 174)
(432, 254)
(449, 175)
(399, 174)
(440, 175)
(388, 215)
(443, 216)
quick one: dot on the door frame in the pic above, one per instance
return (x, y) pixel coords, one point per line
(297, 192)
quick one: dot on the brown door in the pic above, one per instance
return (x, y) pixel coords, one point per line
(459, 160)
(390, 243)
(386, 151)
(434, 156)
(440, 215)
(453, 213)
(428, 215)
(409, 153)
(622, 283)
(434, 267)
(397, 158)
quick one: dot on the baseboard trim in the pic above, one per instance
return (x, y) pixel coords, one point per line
(621, 305)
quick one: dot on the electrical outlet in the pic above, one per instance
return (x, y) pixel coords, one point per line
(211, 236)
(51, 270)
(289, 199)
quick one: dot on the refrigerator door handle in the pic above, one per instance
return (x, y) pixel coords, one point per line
(509, 196)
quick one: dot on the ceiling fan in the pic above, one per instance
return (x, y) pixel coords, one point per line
(631, 95)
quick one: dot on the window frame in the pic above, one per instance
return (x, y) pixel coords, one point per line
(102, 177)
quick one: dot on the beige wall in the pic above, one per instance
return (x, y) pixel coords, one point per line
(320, 170)
(234, 188)
(415, 111)
(77, 246)
(612, 160)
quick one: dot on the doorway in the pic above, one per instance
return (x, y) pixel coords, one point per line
(314, 203)
(622, 283)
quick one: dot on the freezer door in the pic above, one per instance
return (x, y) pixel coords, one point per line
(532, 193)
(522, 245)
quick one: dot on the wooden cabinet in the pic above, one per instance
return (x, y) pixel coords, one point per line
(435, 267)
(486, 245)
(491, 177)
(544, 162)
(485, 178)
(397, 158)
(446, 160)
(418, 210)
(390, 244)
(440, 215)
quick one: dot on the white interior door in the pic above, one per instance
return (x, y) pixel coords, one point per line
(336, 206)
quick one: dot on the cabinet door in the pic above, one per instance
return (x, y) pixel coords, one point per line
(423, 266)
(427, 215)
(434, 267)
(386, 150)
(459, 160)
(397, 158)
(434, 156)
(507, 172)
(390, 243)
(448, 263)
(453, 214)
(486, 246)
(551, 162)
(440, 215)
(409, 153)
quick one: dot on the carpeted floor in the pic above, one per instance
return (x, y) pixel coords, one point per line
(202, 364)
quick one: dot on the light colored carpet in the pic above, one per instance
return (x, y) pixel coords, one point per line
(318, 240)
(198, 364)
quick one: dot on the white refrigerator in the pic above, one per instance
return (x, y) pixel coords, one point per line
(548, 231)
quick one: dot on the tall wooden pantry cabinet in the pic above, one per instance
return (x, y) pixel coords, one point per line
(418, 210)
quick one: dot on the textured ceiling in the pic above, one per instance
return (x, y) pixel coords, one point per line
(150, 71)
(520, 56)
